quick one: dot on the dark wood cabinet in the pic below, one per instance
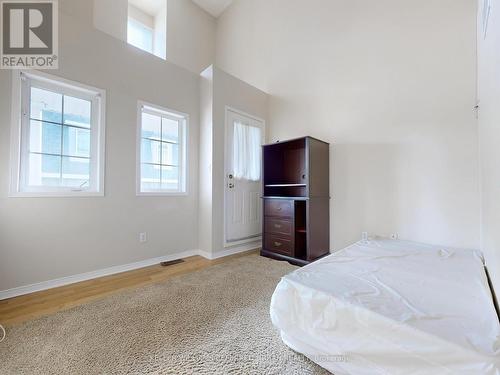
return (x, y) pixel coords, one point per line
(296, 223)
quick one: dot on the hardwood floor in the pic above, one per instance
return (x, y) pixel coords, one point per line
(30, 306)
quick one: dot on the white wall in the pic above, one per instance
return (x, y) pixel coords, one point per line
(391, 84)
(110, 16)
(489, 137)
(232, 92)
(47, 238)
(218, 90)
(205, 206)
(140, 16)
(160, 33)
(190, 35)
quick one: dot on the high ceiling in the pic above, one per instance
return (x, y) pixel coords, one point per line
(214, 7)
(151, 7)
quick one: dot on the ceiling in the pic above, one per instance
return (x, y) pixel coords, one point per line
(214, 7)
(151, 7)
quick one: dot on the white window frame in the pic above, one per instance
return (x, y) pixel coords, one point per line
(22, 81)
(156, 110)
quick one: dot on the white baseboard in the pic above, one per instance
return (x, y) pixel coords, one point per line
(44, 285)
(231, 251)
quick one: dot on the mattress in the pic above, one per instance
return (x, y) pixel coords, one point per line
(391, 307)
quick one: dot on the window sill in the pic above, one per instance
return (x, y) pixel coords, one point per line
(55, 194)
(161, 194)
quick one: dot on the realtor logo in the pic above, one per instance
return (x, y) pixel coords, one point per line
(29, 34)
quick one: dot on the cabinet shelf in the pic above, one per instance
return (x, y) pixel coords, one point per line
(285, 197)
(285, 185)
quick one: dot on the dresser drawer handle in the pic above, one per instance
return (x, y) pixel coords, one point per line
(279, 208)
(277, 226)
(277, 244)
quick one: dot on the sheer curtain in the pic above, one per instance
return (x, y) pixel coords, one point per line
(246, 151)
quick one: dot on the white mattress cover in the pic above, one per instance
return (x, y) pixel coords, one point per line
(391, 307)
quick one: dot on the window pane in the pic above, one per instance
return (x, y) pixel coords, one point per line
(45, 137)
(160, 144)
(75, 172)
(150, 151)
(169, 178)
(60, 142)
(139, 35)
(150, 177)
(170, 130)
(77, 111)
(76, 142)
(246, 151)
(151, 126)
(170, 154)
(46, 105)
(44, 170)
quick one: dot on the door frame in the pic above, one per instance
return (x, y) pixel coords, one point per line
(228, 109)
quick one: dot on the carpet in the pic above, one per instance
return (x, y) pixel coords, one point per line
(214, 321)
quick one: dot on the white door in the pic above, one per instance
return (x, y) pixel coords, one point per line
(244, 137)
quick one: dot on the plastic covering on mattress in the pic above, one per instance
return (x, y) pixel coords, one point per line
(391, 307)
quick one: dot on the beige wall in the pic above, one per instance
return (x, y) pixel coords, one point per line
(160, 33)
(219, 90)
(205, 206)
(190, 30)
(190, 35)
(110, 16)
(489, 137)
(48, 238)
(232, 92)
(391, 84)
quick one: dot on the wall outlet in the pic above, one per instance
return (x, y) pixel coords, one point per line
(394, 236)
(143, 237)
(364, 236)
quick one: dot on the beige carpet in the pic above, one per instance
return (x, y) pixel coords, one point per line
(214, 321)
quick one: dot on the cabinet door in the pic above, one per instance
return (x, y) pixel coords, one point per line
(278, 244)
(279, 226)
(278, 208)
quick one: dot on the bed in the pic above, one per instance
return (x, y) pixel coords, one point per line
(391, 307)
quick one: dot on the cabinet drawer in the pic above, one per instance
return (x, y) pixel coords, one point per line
(278, 226)
(278, 245)
(278, 207)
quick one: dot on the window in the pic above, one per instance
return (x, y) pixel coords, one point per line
(60, 148)
(147, 26)
(161, 151)
(246, 151)
(139, 35)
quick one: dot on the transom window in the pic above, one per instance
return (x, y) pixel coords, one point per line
(147, 26)
(62, 131)
(140, 35)
(162, 145)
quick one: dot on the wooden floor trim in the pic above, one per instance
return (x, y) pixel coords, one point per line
(63, 281)
(31, 306)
